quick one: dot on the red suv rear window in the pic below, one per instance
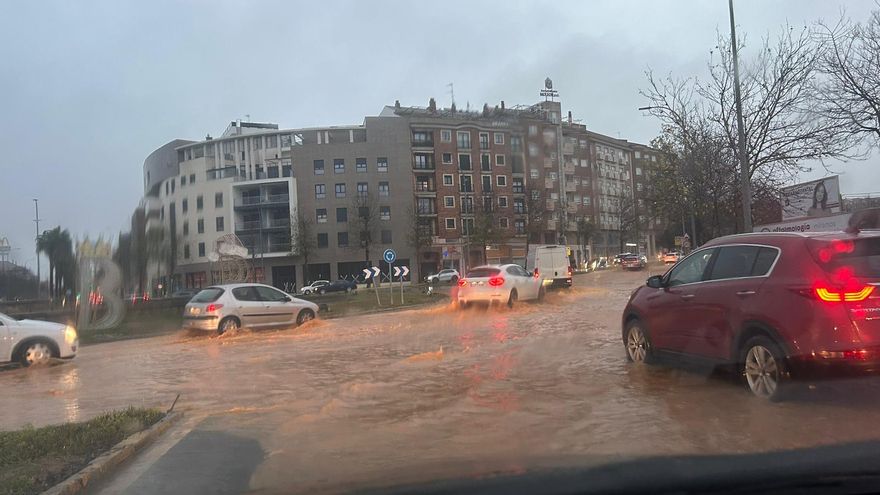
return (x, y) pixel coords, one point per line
(862, 256)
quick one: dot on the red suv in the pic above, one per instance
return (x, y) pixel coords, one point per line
(775, 305)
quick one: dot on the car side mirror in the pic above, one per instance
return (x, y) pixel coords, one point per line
(287, 299)
(655, 282)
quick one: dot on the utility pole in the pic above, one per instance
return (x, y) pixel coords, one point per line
(37, 241)
(745, 183)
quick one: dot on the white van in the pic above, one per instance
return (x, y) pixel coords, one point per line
(550, 263)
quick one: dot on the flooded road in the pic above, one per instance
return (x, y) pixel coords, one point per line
(413, 395)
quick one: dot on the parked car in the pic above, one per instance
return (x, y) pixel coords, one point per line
(550, 263)
(313, 287)
(618, 258)
(671, 257)
(505, 284)
(338, 286)
(32, 342)
(774, 306)
(447, 275)
(227, 307)
(184, 293)
(632, 262)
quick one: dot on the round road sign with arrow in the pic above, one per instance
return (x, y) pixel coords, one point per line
(389, 256)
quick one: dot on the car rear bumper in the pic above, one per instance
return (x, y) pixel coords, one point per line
(204, 322)
(482, 295)
(557, 283)
(836, 364)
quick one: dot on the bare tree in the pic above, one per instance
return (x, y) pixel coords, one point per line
(365, 223)
(779, 105)
(419, 237)
(849, 94)
(486, 231)
(303, 241)
(536, 214)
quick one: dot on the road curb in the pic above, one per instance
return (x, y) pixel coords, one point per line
(383, 310)
(102, 465)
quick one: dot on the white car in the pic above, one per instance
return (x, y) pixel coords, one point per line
(448, 275)
(495, 284)
(35, 342)
(313, 287)
(222, 308)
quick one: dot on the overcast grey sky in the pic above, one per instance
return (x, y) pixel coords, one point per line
(89, 89)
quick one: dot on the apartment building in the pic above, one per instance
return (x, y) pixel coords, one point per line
(256, 181)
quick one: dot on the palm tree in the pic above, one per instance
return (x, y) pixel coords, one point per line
(57, 245)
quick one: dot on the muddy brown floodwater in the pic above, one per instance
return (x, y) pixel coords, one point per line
(404, 396)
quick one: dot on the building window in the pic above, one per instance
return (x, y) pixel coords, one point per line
(338, 165)
(503, 222)
(447, 158)
(533, 130)
(486, 183)
(384, 213)
(286, 167)
(464, 162)
(501, 181)
(639, 186)
(519, 205)
(464, 139)
(200, 202)
(321, 215)
(517, 185)
(467, 226)
(192, 179)
(422, 138)
(445, 135)
(186, 251)
(485, 163)
(484, 140)
(499, 138)
(536, 194)
(533, 173)
(516, 144)
(384, 189)
(219, 224)
(386, 237)
(450, 224)
(502, 201)
(448, 180)
(519, 226)
(182, 180)
(201, 226)
(342, 239)
(186, 227)
(323, 240)
(638, 169)
(184, 205)
(319, 167)
(449, 201)
(218, 200)
(272, 141)
(360, 165)
(340, 190)
(466, 183)
(423, 161)
(341, 215)
(381, 164)
(499, 160)
(320, 191)
(201, 249)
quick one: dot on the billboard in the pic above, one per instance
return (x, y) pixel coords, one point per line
(817, 198)
(833, 223)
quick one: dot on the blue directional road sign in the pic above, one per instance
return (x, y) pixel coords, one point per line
(389, 256)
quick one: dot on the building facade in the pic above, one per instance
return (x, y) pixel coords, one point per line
(480, 185)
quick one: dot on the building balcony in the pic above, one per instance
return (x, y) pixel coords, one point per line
(570, 187)
(551, 224)
(548, 183)
(422, 143)
(568, 168)
(567, 148)
(272, 199)
(571, 208)
(551, 205)
(548, 163)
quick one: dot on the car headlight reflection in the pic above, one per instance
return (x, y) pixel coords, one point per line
(69, 334)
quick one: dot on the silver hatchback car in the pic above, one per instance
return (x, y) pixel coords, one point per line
(227, 307)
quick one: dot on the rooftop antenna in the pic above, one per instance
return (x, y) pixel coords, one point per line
(452, 93)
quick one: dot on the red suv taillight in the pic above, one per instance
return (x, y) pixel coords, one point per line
(569, 270)
(851, 295)
(462, 282)
(213, 307)
(536, 272)
(496, 281)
